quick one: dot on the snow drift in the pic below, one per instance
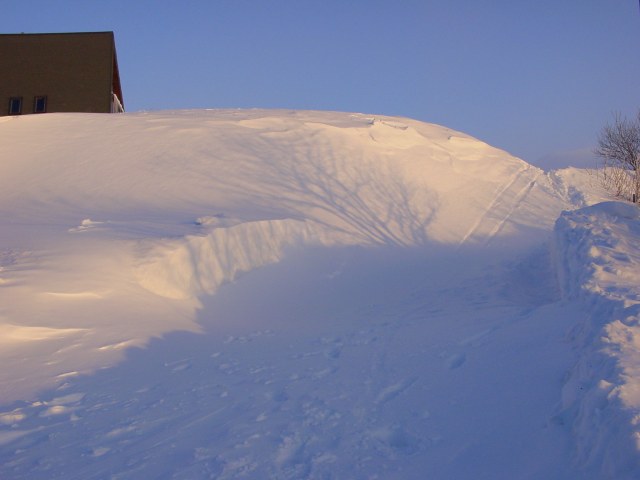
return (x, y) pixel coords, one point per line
(171, 205)
(598, 251)
(393, 264)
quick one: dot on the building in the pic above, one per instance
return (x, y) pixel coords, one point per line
(59, 72)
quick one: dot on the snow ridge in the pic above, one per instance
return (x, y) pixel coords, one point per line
(198, 264)
(598, 252)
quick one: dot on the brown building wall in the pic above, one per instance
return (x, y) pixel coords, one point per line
(75, 71)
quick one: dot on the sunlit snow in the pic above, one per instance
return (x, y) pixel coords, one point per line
(286, 294)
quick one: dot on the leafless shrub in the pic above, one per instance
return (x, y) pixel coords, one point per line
(619, 152)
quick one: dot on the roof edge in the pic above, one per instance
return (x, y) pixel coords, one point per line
(109, 32)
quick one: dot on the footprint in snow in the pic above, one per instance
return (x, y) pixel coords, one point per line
(455, 361)
(179, 366)
(396, 439)
(333, 351)
(392, 391)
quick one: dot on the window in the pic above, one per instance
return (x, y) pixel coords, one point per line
(40, 104)
(15, 105)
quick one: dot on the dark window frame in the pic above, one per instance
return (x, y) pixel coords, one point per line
(12, 102)
(43, 99)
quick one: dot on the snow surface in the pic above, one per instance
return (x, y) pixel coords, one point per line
(286, 294)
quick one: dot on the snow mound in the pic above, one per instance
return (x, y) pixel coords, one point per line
(130, 211)
(598, 249)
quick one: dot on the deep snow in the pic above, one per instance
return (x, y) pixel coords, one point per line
(281, 294)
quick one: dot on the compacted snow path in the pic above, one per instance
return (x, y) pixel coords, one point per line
(348, 363)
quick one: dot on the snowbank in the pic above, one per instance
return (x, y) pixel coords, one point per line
(598, 250)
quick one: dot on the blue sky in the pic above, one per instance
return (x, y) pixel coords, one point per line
(537, 78)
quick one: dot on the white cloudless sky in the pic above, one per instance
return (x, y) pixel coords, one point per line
(537, 78)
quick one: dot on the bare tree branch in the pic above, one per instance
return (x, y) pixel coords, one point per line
(619, 152)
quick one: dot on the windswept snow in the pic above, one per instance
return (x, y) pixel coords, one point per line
(128, 219)
(280, 294)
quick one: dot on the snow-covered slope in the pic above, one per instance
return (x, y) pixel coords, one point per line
(127, 219)
(358, 296)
